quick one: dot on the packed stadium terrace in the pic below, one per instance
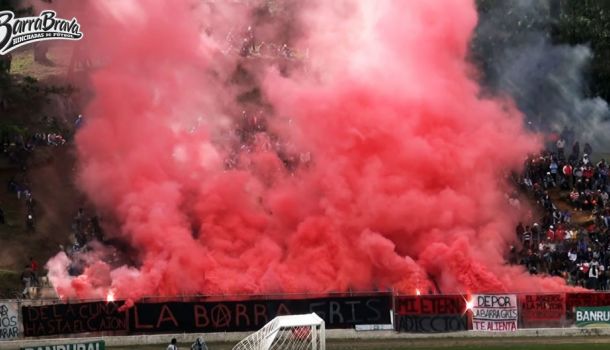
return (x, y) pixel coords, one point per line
(571, 240)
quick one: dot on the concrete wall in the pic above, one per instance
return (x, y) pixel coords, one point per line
(343, 334)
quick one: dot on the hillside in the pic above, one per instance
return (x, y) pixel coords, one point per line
(41, 99)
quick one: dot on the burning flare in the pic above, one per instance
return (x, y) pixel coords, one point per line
(110, 297)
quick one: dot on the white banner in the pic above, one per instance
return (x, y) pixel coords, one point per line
(9, 320)
(494, 313)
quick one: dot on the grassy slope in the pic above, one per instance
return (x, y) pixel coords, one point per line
(51, 183)
(56, 202)
(23, 63)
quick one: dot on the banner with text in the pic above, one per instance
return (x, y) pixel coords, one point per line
(430, 305)
(96, 345)
(9, 321)
(542, 310)
(250, 315)
(494, 313)
(430, 313)
(73, 318)
(593, 316)
(431, 323)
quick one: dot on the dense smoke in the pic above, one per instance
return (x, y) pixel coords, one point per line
(363, 158)
(514, 48)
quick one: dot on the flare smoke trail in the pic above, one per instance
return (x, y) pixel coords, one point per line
(518, 58)
(378, 166)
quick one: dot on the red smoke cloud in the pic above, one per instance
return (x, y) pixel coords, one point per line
(407, 177)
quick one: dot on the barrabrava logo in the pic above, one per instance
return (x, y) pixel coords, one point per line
(16, 32)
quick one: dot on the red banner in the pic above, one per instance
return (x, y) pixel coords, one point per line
(542, 307)
(574, 300)
(430, 305)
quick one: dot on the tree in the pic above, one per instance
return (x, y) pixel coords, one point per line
(588, 22)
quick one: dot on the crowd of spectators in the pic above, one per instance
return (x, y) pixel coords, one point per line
(571, 239)
(85, 230)
(252, 134)
(245, 42)
(249, 46)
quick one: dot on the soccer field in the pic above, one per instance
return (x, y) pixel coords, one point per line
(594, 343)
(406, 346)
(517, 347)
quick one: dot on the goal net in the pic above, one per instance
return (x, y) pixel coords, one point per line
(294, 332)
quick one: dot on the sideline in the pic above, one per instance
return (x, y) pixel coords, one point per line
(335, 334)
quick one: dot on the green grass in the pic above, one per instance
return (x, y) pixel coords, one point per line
(406, 346)
(464, 344)
(23, 62)
(432, 344)
(518, 347)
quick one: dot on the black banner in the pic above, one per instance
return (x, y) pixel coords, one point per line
(73, 318)
(431, 323)
(250, 315)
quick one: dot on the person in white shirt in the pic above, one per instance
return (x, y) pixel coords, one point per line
(594, 269)
(561, 144)
(173, 345)
(572, 256)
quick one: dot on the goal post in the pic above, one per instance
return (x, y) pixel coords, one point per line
(293, 332)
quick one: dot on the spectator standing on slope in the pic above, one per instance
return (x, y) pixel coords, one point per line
(575, 151)
(587, 149)
(527, 237)
(561, 144)
(568, 174)
(26, 280)
(34, 267)
(593, 274)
